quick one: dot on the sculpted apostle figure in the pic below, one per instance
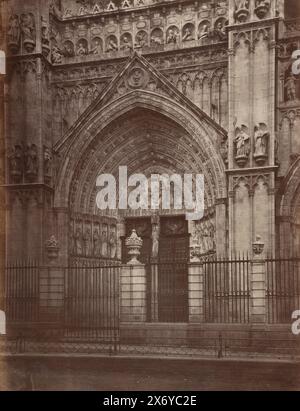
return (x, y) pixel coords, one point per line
(13, 31)
(241, 141)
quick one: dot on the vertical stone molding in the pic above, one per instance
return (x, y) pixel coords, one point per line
(196, 290)
(258, 283)
(133, 293)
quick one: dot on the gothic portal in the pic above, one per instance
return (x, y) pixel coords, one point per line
(161, 87)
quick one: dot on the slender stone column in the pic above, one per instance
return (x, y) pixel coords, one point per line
(196, 290)
(133, 284)
(258, 284)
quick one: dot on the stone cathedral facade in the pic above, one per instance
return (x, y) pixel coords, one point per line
(161, 86)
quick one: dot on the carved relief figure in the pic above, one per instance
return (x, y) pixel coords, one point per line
(31, 161)
(241, 4)
(82, 48)
(96, 243)
(112, 44)
(78, 241)
(113, 242)
(87, 242)
(220, 31)
(141, 39)
(68, 50)
(126, 42)
(242, 149)
(96, 46)
(172, 35)
(45, 37)
(188, 33)
(261, 136)
(13, 34)
(104, 239)
(28, 32)
(241, 10)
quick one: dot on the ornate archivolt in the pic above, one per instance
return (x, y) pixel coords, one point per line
(183, 136)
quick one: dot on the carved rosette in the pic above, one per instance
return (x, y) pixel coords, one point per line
(134, 244)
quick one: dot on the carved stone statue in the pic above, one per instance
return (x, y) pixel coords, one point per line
(224, 149)
(47, 163)
(78, 242)
(45, 37)
(290, 86)
(111, 44)
(242, 149)
(220, 31)
(13, 34)
(126, 43)
(82, 49)
(141, 39)
(28, 31)
(97, 47)
(104, 245)
(113, 243)
(261, 136)
(16, 163)
(187, 34)
(172, 36)
(31, 161)
(155, 240)
(87, 242)
(203, 31)
(96, 243)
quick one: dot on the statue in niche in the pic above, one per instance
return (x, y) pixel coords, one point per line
(224, 149)
(16, 163)
(47, 162)
(141, 39)
(82, 48)
(87, 242)
(97, 47)
(241, 4)
(31, 161)
(55, 8)
(242, 146)
(204, 30)
(126, 42)
(78, 242)
(28, 31)
(261, 136)
(155, 240)
(113, 243)
(173, 35)
(290, 86)
(112, 44)
(220, 31)
(13, 33)
(68, 49)
(104, 240)
(156, 37)
(96, 243)
(187, 34)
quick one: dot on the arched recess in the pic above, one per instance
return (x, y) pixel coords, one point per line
(147, 132)
(289, 211)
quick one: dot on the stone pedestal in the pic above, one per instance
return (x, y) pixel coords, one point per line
(133, 293)
(196, 310)
(258, 284)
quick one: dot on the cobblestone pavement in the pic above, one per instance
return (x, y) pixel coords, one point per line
(96, 373)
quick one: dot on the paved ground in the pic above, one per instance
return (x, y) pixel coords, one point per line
(71, 373)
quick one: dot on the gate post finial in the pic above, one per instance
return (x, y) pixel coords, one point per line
(134, 244)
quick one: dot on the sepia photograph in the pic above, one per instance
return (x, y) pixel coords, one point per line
(149, 198)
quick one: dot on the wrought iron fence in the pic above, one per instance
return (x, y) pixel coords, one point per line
(282, 288)
(227, 290)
